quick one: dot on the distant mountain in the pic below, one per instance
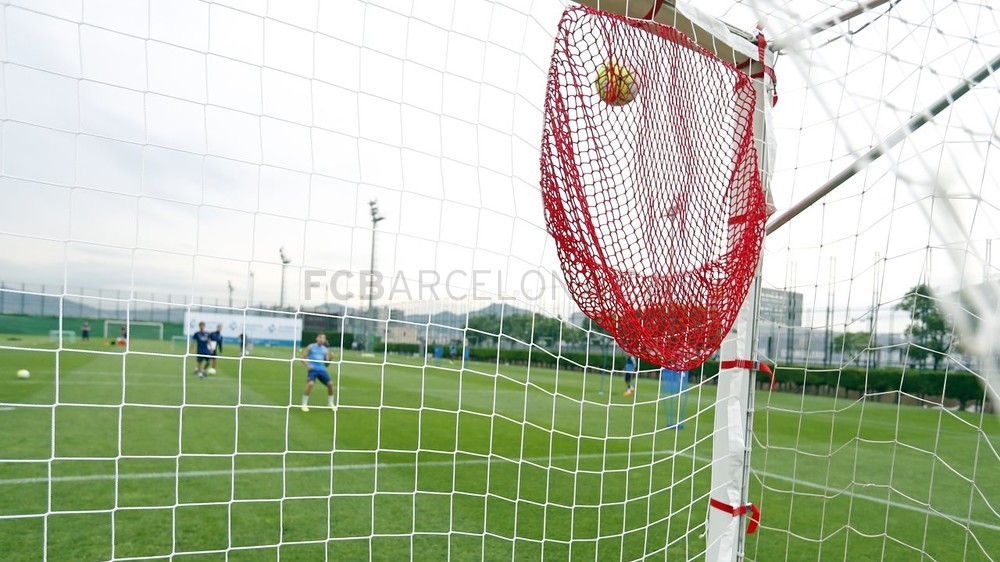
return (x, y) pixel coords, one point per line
(455, 319)
(500, 309)
(115, 305)
(337, 309)
(33, 304)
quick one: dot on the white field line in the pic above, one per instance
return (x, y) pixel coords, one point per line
(536, 460)
(874, 499)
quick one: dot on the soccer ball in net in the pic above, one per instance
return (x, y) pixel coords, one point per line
(614, 83)
(210, 371)
(23, 374)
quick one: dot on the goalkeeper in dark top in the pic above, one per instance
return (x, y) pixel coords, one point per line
(315, 357)
(215, 346)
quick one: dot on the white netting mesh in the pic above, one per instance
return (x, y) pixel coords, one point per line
(878, 443)
(161, 159)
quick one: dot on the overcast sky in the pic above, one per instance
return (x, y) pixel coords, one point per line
(172, 146)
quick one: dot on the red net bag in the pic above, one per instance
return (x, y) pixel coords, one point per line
(651, 184)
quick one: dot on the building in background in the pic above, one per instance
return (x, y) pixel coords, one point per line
(780, 307)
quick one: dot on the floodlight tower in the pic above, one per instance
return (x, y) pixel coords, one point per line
(231, 289)
(285, 260)
(376, 218)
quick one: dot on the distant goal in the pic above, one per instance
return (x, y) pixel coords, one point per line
(139, 330)
(62, 336)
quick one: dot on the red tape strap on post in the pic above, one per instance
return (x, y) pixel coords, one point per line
(750, 365)
(738, 511)
(761, 46)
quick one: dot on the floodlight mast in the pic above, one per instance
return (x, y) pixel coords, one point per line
(376, 218)
(369, 328)
(285, 260)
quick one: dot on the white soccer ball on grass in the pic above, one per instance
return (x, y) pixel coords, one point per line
(23, 374)
(210, 371)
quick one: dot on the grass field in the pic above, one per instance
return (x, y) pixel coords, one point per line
(131, 456)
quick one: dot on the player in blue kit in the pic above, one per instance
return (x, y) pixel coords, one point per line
(315, 357)
(629, 373)
(200, 341)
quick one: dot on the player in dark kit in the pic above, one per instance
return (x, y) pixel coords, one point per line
(203, 355)
(216, 346)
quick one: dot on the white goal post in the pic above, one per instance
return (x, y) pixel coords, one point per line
(112, 328)
(58, 336)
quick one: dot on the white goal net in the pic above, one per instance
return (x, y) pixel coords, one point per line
(369, 171)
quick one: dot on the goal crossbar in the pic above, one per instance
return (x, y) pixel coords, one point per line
(722, 40)
(131, 323)
(60, 335)
(918, 120)
(804, 32)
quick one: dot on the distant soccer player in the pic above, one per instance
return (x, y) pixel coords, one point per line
(85, 331)
(629, 373)
(315, 357)
(199, 340)
(215, 346)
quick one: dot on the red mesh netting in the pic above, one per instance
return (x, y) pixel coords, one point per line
(655, 204)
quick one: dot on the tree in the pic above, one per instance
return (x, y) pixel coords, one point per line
(851, 344)
(518, 327)
(545, 331)
(482, 327)
(929, 328)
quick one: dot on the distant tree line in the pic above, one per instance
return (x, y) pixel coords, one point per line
(533, 339)
(930, 332)
(529, 328)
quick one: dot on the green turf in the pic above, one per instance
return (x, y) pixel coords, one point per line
(122, 456)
